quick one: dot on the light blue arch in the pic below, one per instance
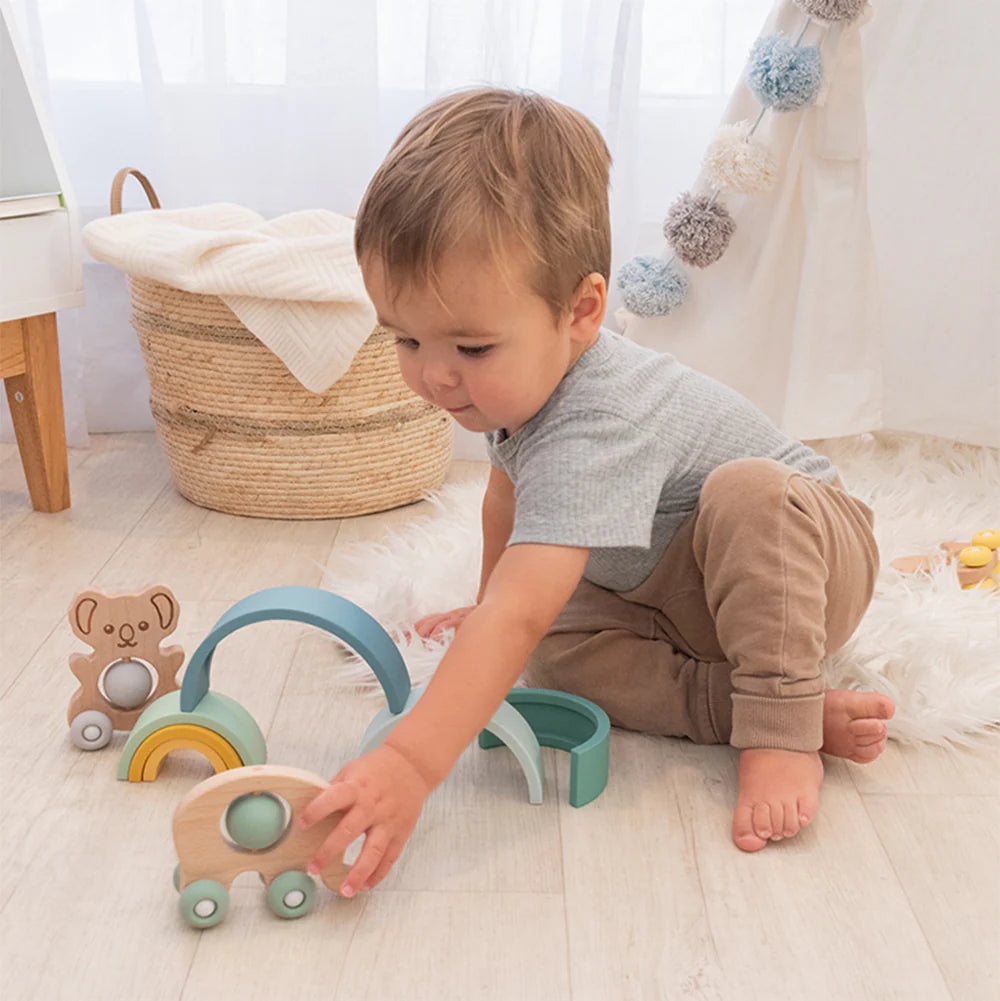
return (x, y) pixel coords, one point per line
(507, 726)
(316, 607)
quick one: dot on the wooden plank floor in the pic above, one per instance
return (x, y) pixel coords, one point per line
(894, 892)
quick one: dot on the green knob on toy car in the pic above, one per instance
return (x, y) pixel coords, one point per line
(256, 821)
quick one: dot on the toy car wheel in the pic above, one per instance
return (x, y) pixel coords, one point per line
(90, 729)
(291, 895)
(204, 903)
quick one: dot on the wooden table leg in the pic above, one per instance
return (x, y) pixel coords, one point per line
(36, 406)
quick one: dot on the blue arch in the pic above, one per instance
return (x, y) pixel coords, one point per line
(316, 607)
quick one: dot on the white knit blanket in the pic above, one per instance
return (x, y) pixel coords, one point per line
(293, 280)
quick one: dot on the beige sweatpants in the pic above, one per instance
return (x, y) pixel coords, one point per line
(723, 642)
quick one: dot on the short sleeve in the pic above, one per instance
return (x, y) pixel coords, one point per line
(589, 478)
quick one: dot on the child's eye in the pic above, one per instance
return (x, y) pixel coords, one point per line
(406, 342)
(475, 351)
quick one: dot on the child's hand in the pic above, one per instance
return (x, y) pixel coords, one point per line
(382, 795)
(431, 625)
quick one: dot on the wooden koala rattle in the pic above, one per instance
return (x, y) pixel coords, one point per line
(128, 668)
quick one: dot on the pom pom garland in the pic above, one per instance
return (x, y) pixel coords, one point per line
(782, 75)
(651, 286)
(832, 10)
(735, 163)
(698, 229)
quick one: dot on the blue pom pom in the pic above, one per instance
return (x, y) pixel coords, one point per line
(651, 286)
(782, 76)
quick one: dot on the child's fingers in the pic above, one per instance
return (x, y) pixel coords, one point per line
(336, 796)
(372, 855)
(351, 826)
(425, 627)
(450, 621)
(383, 868)
(431, 625)
(388, 860)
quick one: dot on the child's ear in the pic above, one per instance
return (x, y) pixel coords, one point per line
(590, 300)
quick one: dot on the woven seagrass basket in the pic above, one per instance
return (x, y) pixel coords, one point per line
(241, 433)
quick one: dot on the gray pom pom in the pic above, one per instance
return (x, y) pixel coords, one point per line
(698, 229)
(832, 10)
(651, 286)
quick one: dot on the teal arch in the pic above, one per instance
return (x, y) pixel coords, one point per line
(570, 723)
(316, 607)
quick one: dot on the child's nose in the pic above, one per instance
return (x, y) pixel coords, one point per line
(440, 374)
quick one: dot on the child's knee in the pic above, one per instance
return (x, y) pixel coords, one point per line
(745, 482)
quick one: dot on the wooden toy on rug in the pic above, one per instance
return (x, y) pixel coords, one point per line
(128, 667)
(976, 561)
(244, 820)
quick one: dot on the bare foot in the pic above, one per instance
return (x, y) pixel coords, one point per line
(779, 794)
(854, 724)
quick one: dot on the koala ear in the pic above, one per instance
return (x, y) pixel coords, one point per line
(81, 612)
(162, 599)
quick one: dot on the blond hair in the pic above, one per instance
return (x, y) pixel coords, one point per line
(513, 171)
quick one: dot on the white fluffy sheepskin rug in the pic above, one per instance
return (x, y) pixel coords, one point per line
(932, 647)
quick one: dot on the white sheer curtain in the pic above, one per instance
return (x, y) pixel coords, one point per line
(289, 104)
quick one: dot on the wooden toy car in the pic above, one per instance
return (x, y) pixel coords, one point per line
(244, 820)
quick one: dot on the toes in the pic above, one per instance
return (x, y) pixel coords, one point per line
(743, 829)
(791, 825)
(868, 753)
(870, 741)
(872, 704)
(762, 821)
(807, 807)
(777, 821)
(867, 729)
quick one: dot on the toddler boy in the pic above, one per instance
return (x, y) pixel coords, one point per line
(650, 540)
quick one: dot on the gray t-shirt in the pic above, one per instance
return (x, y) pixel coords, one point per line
(616, 458)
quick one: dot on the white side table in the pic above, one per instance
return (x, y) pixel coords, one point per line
(40, 272)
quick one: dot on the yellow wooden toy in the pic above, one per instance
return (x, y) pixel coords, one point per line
(975, 562)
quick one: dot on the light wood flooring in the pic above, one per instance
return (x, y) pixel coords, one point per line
(893, 893)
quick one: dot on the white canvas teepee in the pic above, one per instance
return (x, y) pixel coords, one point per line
(859, 293)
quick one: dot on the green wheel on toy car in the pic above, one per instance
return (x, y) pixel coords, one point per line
(291, 895)
(204, 903)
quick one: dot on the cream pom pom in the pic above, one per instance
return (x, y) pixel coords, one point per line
(736, 163)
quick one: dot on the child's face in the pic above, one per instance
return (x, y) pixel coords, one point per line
(490, 354)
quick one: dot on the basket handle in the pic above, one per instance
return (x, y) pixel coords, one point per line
(119, 182)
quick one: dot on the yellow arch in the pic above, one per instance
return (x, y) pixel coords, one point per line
(149, 755)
